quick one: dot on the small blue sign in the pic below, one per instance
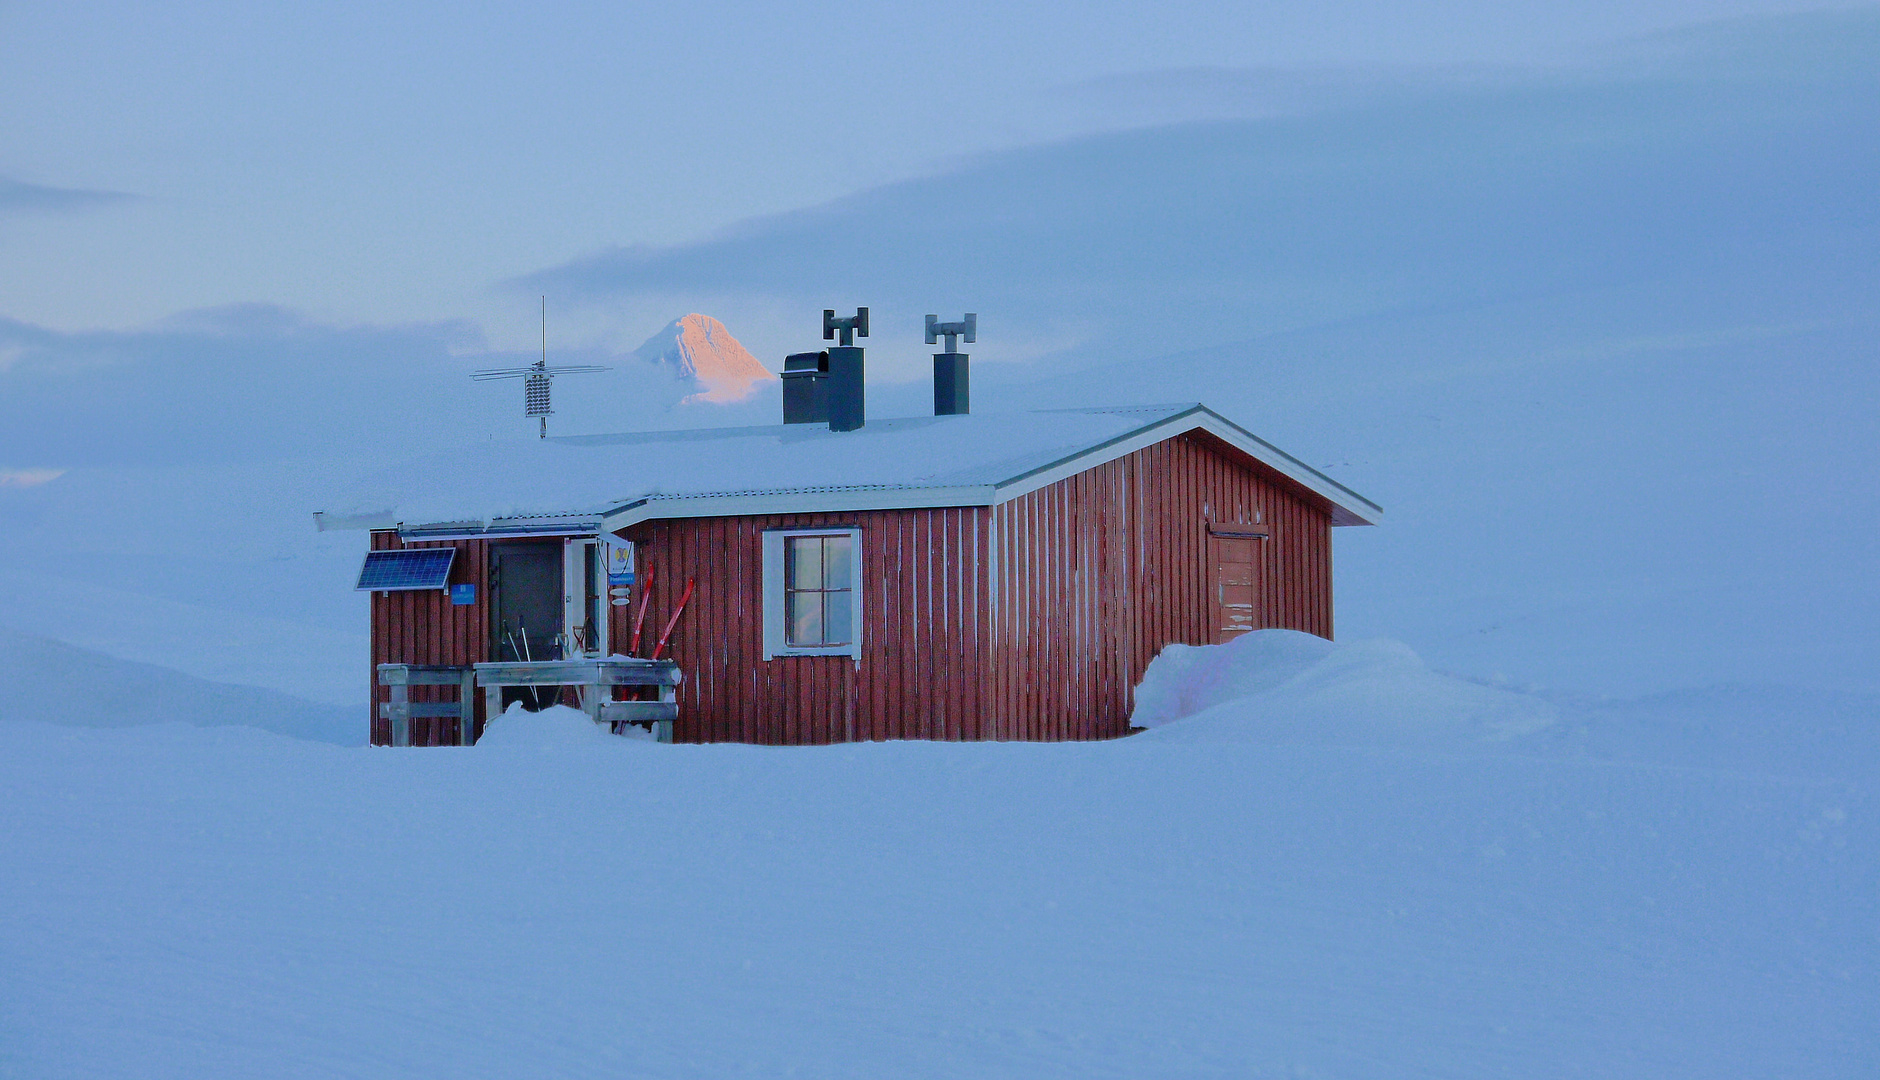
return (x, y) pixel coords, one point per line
(463, 595)
(620, 564)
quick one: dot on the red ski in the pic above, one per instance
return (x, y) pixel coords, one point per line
(660, 646)
(639, 617)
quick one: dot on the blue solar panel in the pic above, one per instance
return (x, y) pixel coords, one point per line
(412, 568)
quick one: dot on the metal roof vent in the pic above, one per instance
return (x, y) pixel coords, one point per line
(951, 388)
(845, 369)
(806, 388)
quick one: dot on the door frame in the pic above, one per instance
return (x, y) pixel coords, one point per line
(1217, 533)
(498, 550)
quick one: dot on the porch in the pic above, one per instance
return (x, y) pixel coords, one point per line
(594, 680)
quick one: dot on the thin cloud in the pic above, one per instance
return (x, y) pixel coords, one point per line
(20, 197)
(244, 383)
(1724, 163)
(25, 478)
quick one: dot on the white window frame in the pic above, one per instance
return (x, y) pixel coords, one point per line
(776, 636)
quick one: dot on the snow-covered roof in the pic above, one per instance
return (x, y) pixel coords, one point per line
(580, 482)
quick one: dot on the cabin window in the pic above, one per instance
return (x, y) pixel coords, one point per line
(812, 592)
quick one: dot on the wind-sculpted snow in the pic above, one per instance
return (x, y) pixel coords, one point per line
(556, 726)
(1206, 899)
(1282, 685)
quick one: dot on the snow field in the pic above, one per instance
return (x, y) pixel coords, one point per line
(226, 902)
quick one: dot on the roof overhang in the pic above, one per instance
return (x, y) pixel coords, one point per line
(501, 529)
(491, 529)
(831, 500)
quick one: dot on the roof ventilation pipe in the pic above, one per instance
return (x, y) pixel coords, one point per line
(806, 388)
(845, 369)
(951, 388)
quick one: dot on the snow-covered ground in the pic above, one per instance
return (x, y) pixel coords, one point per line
(1320, 861)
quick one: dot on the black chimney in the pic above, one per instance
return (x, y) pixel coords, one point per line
(806, 388)
(845, 369)
(952, 394)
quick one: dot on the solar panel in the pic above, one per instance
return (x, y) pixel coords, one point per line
(412, 568)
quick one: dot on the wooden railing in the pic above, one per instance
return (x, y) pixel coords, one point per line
(594, 680)
(401, 710)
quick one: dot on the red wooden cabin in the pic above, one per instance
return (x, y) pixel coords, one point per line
(948, 577)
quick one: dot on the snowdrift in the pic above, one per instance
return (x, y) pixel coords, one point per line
(1286, 686)
(556, 727)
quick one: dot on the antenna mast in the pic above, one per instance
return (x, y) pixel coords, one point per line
(537, 377)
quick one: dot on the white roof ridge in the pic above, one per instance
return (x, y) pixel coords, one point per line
(605, 438)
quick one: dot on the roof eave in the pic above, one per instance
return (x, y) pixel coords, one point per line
(821, 501)
(1348, 507)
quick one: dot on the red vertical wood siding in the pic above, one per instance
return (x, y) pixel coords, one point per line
(732, 694)
(1100, 571)
(424, 627)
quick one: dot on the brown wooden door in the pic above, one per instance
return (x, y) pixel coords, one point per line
(1234, 568)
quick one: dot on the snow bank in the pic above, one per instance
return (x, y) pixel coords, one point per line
(1286, 686)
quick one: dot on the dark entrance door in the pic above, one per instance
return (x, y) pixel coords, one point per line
(1234, 568)
(525, 601)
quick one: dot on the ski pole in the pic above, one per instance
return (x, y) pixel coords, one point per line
(528, 656)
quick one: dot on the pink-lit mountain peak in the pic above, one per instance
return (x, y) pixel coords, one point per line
(699, 348)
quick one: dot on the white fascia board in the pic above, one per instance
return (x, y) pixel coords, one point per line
(830, 501)
(1348, 507)
(500, 529)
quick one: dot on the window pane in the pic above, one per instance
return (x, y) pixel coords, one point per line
(837, 567)
(839, 626)
(806, 618)
(805, 569)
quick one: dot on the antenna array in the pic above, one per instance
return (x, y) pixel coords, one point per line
(537, 378)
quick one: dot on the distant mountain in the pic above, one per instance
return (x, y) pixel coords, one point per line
(698, 348)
